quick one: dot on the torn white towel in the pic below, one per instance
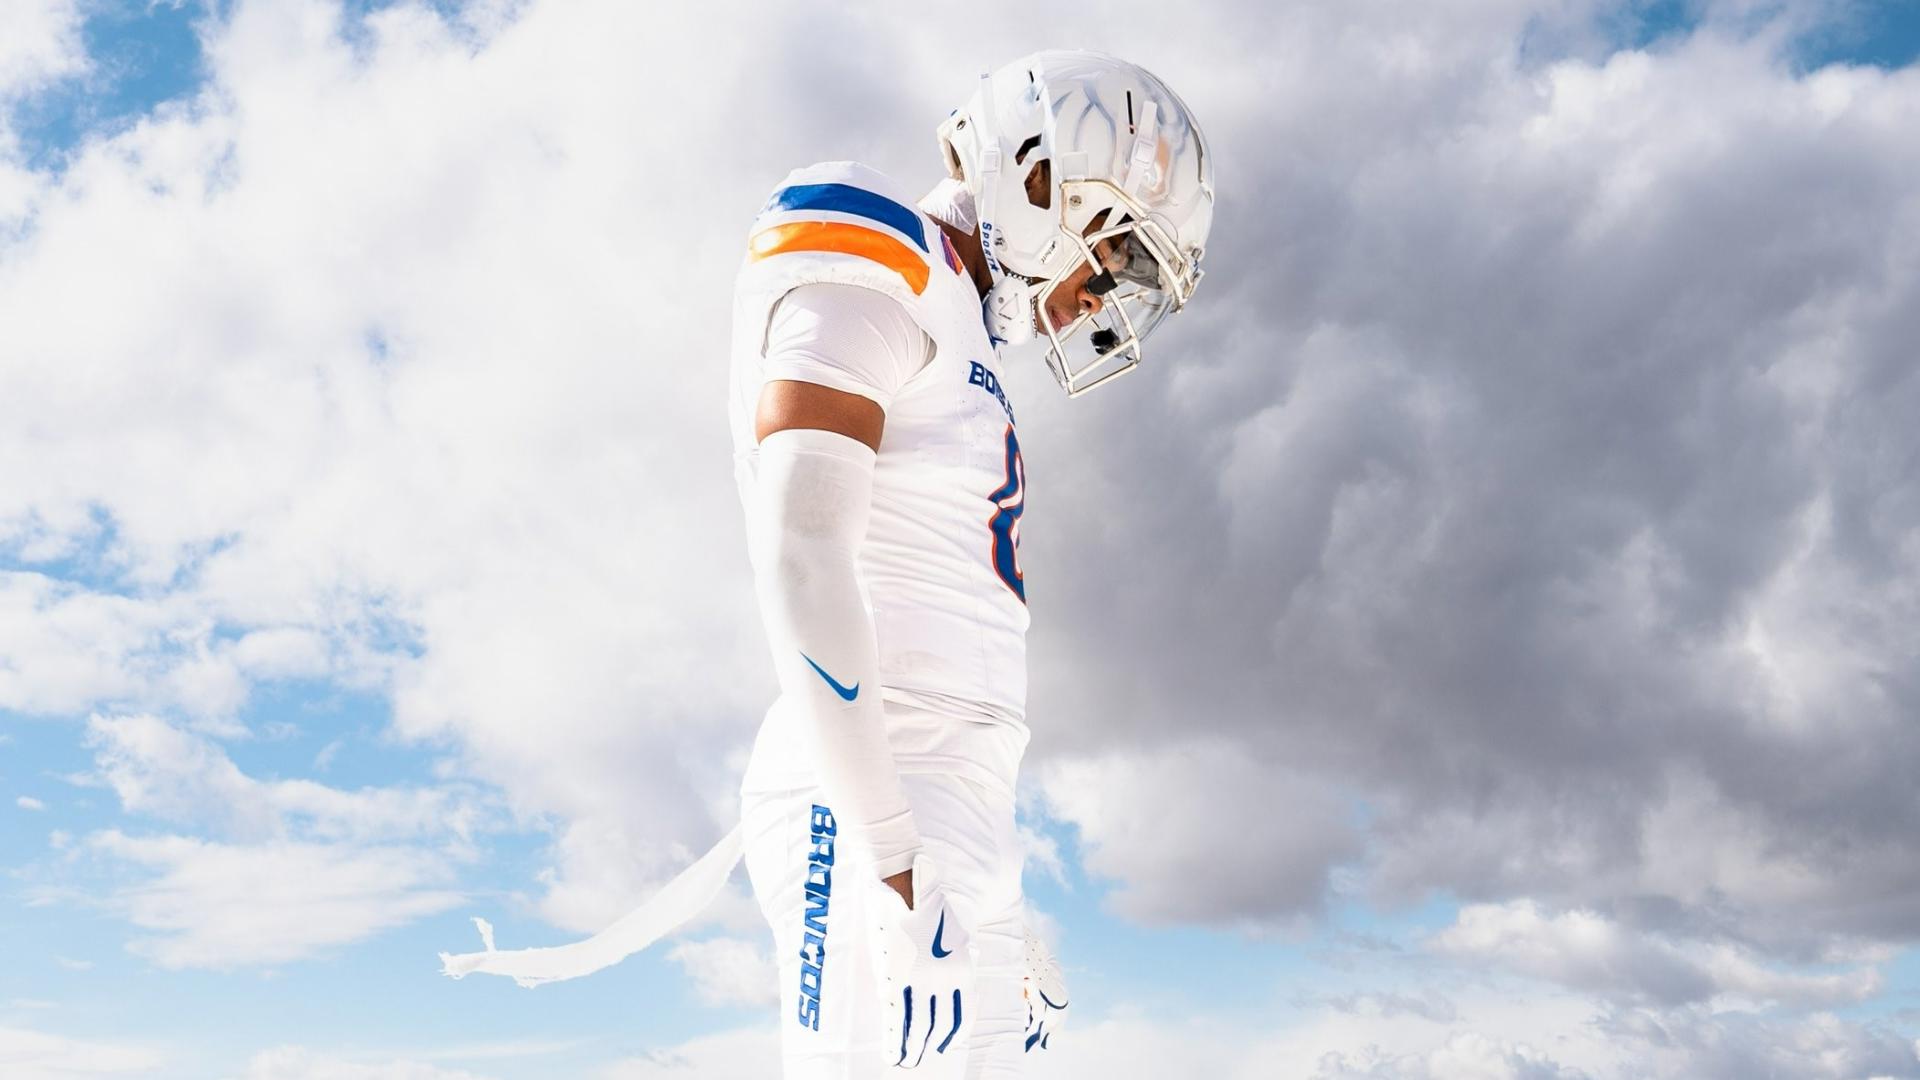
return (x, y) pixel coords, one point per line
(681, 899)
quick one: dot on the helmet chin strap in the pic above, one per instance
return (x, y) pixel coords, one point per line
(1140, 157)
(989, 179)
(1008, 309)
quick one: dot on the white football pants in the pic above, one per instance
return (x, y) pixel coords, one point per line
(830, 1011)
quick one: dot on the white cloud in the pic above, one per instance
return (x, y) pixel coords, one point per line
(749, 1054)
(67, 646)
(729, 971)
(35, 1055)
(1699, 1045)
(1587, 951)
(1201, 832)
(1497, 1036)
(303, 867)
(1130, 1045)
(301, 1063)
(1483, 1030)
(1466, 1056)
(323, 760)
(159, 769)
(563, 634)
(42, 44)
(72, 648)
(28, 802)
(1041, 853)
(213, 905)
(281, 652)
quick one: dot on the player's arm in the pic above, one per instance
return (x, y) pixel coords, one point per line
(818, 447)
(786, 404)
(828, 345)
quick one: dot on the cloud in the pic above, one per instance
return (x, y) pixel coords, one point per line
(300, 867)
(1163, 825)
(28, 802)
(26, 1054)
(42, 44)
(1521, 512)
(301, 1063)
(1693, 1043)
(160, 770)
(224, 906)
(1427, 1005)
(1587, 951)
(526, 584)
(745, 1054)
(72, 647)
(1523, 473)
(1495, 1037)
(1041, 853)
(1467, 1056)
(729, 971)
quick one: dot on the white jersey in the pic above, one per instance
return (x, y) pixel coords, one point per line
(941, 559)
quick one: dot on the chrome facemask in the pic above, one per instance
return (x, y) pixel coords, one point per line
(1141, 278)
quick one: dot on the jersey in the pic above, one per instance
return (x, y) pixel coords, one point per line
(940, 564)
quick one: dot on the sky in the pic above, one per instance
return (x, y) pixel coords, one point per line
(1482, 642)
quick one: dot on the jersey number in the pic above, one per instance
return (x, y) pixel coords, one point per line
(1011, 498)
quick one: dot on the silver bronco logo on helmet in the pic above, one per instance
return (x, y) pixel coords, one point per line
(1080, 158)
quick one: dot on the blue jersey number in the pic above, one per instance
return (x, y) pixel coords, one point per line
(1011, 498)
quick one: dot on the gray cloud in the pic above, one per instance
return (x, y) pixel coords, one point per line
(1535, 461)
(1465, 1056)
(1736, 1046)
(1586, 951)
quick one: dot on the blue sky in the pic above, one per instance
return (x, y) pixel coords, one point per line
(378, 999)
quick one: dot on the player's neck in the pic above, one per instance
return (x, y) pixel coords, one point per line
(967, 246)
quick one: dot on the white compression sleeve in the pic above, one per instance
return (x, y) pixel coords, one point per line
(815, 489)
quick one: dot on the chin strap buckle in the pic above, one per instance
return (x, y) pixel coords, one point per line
(1008, 311)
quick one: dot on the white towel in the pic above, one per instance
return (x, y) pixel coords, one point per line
(682, 898)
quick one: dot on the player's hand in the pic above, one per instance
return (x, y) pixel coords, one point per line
(925, 960)
(1045, 989)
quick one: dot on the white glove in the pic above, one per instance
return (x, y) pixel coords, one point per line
(1045, 989)
(925, 962)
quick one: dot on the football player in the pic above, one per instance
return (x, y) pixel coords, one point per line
(878, 462)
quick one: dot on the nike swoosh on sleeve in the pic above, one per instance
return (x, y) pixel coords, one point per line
(846, 693)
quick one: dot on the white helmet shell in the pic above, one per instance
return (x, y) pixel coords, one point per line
(1064, 152)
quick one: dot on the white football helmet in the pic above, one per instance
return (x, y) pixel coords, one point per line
(1076, 157)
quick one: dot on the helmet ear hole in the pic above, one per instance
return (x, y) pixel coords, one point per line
(1040, 184)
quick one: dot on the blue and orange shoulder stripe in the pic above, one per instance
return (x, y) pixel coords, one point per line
(849, 220)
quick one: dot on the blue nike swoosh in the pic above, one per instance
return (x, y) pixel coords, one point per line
(938, 952)
(846, 693)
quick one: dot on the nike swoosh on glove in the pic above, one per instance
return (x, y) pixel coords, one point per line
(925, 962)
(1045, 989)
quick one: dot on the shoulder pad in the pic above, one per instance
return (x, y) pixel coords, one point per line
(843, 221)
